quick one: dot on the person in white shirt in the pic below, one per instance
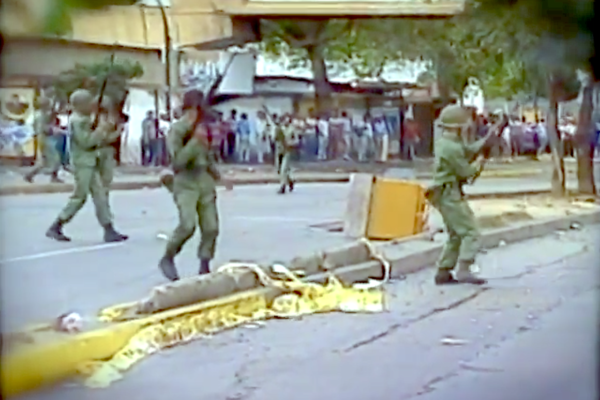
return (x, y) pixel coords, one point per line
(323, 136)
(381, 134)
(262, 128)
(542, 137)
(364, 133)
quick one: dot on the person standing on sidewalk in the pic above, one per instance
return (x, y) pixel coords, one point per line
(381, 135)
(193, 185)
(262, 128)
(323, 137)
(87, 141)
(44, 126)
(243, 133)
(454, 167)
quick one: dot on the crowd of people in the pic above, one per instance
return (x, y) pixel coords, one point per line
(523, 137)
(242, 138)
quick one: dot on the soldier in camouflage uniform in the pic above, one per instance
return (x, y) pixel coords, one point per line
(50, 157)
(87, 144)
(193, 184)
(286, 139)
(455, 166)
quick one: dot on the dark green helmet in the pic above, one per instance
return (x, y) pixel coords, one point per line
(81, 100)
(455, 116)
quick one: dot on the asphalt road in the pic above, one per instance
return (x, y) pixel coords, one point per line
(41, 279)
(531, 334)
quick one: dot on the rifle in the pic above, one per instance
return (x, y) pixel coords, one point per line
(476, 148)
(102, 90)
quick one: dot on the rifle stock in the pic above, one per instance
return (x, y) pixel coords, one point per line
(102, 90)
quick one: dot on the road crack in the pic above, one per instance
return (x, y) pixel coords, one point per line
(402, 325)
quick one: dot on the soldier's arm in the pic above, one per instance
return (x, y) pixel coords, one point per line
(463, 168)
(181, 153)
(85, 136)
(472, 150)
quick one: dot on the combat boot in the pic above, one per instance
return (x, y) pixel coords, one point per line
(112, 236)
(464, 274)
(55, 179)
(204, 267)
(55, 232)
(281, 190)
(444, 277)
(167, 267)
(291, 186)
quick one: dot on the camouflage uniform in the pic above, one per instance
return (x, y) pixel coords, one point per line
(454, 167)
(46, 141)
(87, 143)
(193, 185)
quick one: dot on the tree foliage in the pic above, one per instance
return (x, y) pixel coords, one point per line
(92, 76)
(51, 16)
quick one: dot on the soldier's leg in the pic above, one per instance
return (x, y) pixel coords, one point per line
(83, 178)
(186, 200)
(288, 171)
(208, 220)
(102, 208)
(40, 163)
(449, 257)
(284, 161)
(53, 160)
(466, 227)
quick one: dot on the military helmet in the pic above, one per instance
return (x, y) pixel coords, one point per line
(455, 116)
(80, 99)
(192, 99)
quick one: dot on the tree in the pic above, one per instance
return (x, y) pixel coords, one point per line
(306, 41)
(92, 76)
(562, 32)
(50, 16)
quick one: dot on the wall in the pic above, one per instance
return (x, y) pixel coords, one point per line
(30, 58)
(251, 105)
(143, 26)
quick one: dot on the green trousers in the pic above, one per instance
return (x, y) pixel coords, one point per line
(283, 168)
(106, 167)
(196, 201)
(463, 235)
(88, 181)
(50, 157)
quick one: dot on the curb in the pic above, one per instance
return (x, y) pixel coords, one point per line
(47, 364)
(343, 177)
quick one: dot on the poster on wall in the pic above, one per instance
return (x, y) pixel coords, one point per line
(16, 123)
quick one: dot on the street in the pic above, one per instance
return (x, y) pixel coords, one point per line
(84, 275)
(530, 334)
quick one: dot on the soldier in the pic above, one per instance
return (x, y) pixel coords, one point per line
(87, 146)
(455, 165)
(106, 152)
(285, 140)
(193, 184)
(50, 157)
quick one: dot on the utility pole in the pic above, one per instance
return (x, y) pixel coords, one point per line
(167, 57)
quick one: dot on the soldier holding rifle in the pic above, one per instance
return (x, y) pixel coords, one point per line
(193, 184)
(92, 169)
(456, 164)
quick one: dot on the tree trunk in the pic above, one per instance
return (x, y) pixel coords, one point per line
(584, 137)
(320, 81)
(558, 171)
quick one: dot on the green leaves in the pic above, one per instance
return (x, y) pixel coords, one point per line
(92, 76)
(56, 14)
